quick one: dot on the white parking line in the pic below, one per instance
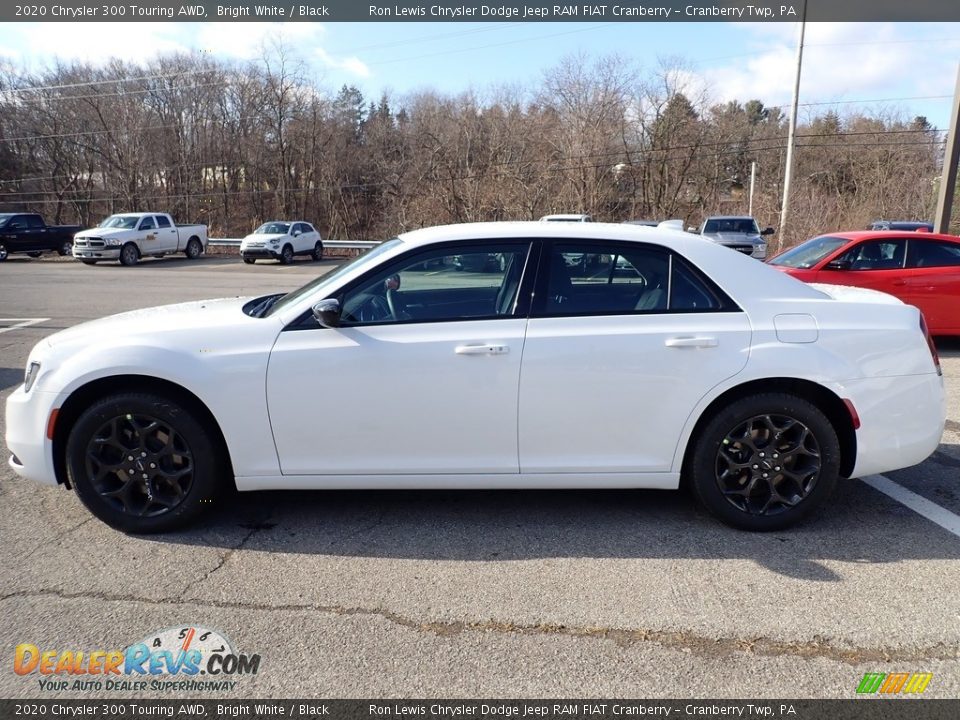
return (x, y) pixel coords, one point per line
(20, 323)
(919, 504)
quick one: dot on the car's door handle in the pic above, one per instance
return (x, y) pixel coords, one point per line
(694, 342)
(486, 349)
(899, 283)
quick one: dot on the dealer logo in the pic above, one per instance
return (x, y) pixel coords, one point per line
(182, 652)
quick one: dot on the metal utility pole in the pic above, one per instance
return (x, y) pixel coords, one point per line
(753, 182)
(948, 178)
(788, 175)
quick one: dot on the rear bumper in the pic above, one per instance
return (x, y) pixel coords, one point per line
(26, 422)
(901, 420)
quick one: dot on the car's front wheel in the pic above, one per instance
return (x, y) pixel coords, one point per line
(249, 261)
(765, 462)
(142, 463)
(66, 248)
(286, 255)
(129, 255)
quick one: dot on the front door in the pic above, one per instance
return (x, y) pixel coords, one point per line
(420, 379)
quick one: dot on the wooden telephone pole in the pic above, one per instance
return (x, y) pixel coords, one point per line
(948, 178)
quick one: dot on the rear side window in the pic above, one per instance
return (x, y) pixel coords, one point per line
(34, 222)
(591, 278)
(162, 221)
(932, 253)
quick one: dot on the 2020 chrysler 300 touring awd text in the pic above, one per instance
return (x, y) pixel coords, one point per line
(667, 357)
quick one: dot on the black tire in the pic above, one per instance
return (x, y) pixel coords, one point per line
(765, 462)
(109, 455)
(3, 252)
(34, 254)
(66, 248)
(89, 262)
(129, 255)
(286, 255)
(194, 249)
(249, 261)
(317, 253)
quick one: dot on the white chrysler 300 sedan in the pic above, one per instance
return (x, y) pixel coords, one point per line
(663, 358)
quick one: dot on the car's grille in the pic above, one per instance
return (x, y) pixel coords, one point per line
(745, 249)
(89, 242)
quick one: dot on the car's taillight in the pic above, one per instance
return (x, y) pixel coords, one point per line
(933, 348)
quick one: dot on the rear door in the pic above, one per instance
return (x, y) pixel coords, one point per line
(167, 238)
(932, 282)
(617, 355)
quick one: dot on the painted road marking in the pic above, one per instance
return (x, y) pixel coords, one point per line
(919, 504)
(20, 323)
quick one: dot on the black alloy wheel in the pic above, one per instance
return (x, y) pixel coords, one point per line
(142, 463)
(765, 461)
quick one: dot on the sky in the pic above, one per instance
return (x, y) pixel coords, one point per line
(906, 67)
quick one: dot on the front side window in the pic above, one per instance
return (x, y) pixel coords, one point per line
(148, 224)
(876, 255)
(445, 284)
(933, 253)
(592, 279)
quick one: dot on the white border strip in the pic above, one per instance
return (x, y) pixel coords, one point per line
(20, 323)
(919, 504)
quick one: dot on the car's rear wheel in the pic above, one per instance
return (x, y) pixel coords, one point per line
(142, 463)
(129, 255)
(765, 462)
(194, 249)
(317, 252)
(66, 248)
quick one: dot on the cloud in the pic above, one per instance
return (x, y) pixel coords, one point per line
(246, 40)
(97, 42)
(841, 61)
(352, 65)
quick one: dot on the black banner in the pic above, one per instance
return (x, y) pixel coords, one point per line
(474, 11)
(885, 709)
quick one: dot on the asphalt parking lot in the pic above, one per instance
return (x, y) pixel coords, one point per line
(470, 594)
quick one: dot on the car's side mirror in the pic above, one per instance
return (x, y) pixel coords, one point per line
(839, 265)
(296, 233)
(768, 231)
(691, 229)
(327, 313)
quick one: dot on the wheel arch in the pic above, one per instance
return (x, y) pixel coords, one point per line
(827, 401)
(83, 396)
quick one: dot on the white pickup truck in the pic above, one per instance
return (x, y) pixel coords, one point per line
(127, 237)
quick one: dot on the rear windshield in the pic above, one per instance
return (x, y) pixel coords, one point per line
(809, 253)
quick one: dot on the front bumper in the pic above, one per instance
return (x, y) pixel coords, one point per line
(27, 415)
(901, 420)
(104, 253)
(259, 252)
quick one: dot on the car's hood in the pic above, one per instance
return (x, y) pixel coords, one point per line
(733, 237)
(199, 316)
(103, 232)
(263, 237)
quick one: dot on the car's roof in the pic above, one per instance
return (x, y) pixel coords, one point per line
(730, 217)
(565, 216)
(889, 234)
(538, 229)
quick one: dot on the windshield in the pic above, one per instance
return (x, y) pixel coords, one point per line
(4, 219)
(746, 226)
(808, 254)
(272, 228)
(125, 222)
(317, 285)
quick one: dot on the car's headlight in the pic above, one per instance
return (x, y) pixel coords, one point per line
(275, 243)
(762, 247)
(33, 369)
(112, 241)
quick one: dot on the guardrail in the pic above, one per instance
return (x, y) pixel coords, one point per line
(348, 244)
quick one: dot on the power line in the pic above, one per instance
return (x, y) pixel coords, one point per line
(39, 88)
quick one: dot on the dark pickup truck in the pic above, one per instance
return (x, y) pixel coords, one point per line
(28, 233)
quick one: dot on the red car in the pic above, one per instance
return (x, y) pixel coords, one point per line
(920, 268)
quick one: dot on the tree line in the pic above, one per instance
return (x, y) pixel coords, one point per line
(234, 144)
